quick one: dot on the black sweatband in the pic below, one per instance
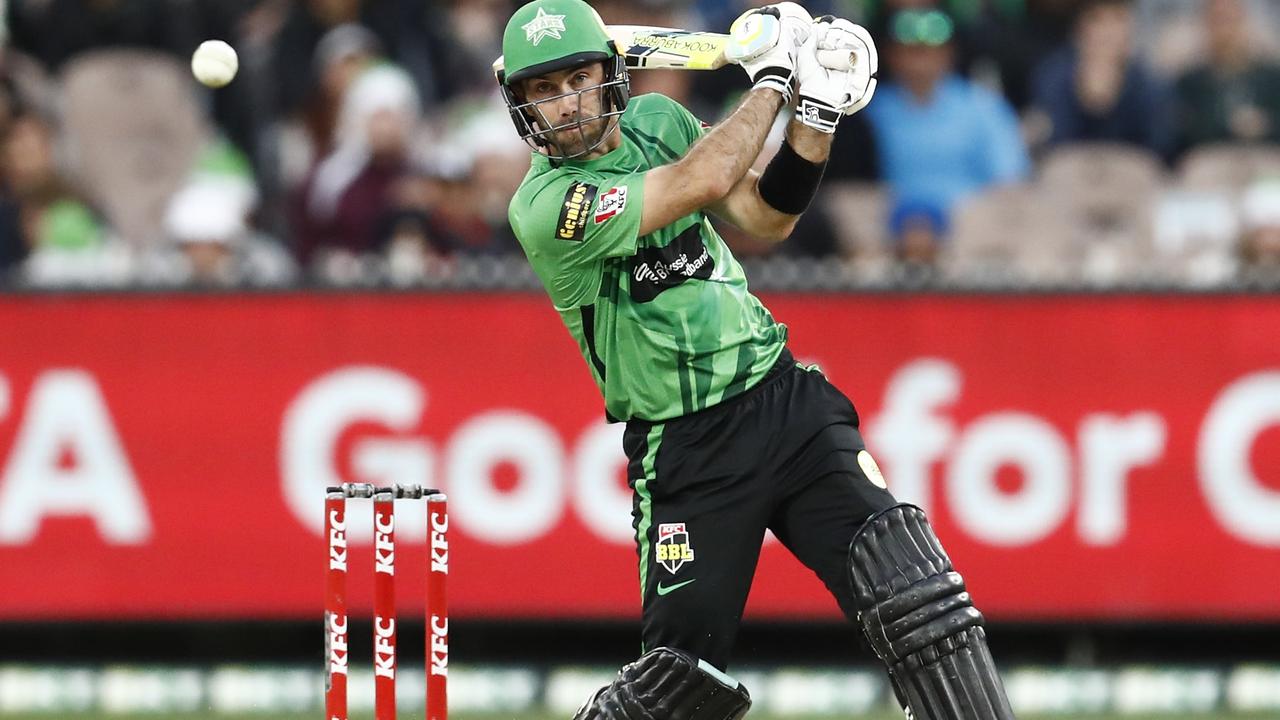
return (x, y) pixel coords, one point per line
(789, 182)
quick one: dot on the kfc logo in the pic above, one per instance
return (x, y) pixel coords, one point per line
(611, 203)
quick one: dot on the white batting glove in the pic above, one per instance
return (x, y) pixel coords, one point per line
(827, 94)
(766, 42)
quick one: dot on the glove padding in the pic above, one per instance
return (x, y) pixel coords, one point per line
(766, 42)
(828, 94)
(667, 684)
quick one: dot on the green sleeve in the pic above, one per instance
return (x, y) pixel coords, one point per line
(689, 123)
(667, 124)
(572, 222)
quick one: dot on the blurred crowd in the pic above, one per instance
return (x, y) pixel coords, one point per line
(1085, 142)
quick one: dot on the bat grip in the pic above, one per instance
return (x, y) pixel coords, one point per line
(836, 59)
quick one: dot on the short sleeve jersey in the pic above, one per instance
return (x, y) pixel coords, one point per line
(664, 320)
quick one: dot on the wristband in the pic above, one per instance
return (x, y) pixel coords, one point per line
(777, 79)
(789, 182)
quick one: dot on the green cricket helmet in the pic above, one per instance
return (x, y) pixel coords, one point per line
(546, 36)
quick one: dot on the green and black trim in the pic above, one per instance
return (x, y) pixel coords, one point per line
(641, 473)
(589, 334)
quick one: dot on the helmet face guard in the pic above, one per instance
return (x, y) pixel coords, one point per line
(539, 132)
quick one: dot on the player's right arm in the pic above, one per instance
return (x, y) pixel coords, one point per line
(765, 42)
(712, 166)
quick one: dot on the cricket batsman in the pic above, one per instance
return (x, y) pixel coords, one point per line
(726, 434)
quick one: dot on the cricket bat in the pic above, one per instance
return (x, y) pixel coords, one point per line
(658, 48)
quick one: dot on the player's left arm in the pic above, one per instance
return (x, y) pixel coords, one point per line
(746, 208)
(768, 204)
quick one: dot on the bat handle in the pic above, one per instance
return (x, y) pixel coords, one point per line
(837, 59)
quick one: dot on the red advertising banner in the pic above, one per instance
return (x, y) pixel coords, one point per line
(166, 456)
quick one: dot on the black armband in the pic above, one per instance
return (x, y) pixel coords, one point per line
(790, 182)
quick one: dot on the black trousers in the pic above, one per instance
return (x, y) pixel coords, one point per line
(784, 456)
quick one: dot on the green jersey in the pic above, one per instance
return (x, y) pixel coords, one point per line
(664, 321)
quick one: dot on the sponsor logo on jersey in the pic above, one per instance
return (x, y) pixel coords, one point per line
(543, 25)
(654, 270)
(611, 203)
(572, 225)
(664, 589)
(673, 549)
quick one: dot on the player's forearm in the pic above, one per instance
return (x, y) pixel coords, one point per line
(722, 157)
(808, 143)
(713, 166)
(748, 209)
(772, 204)
(811, 145)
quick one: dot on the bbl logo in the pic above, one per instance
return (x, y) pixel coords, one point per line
(673, 546)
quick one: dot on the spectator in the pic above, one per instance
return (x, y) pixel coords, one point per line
(1170, 34)
(997, 42)
(481, 163)
(346, 195)
(13, 244)
(52, 215)
(1260, 244)
(416, 247)
(491, 182)
(341, 56)
(208, 222)
(456, 206)
(245, 111)
(1009, 40)
(475, 29)
(918, 230)
(1234, 95)
(1095, 89)
(413, 34)
(65, 240)
(940, 138)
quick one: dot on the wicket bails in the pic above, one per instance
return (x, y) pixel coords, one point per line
(384, 605)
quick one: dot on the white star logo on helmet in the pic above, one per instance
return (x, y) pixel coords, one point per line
(542, 26)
